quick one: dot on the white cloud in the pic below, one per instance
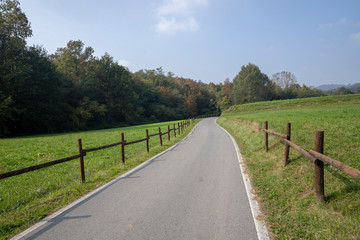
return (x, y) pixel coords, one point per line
(178, 15)
(355, 37)
(171, 25)
(124, 63)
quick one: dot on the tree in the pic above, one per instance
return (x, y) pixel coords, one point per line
(14, 25)
(357, 91)
(306, 92)
(343, 91)
(113, 86)
(284, 79)
(74, 62)
(39, 99)
(191, 106)
(251, 85)
(14, 29)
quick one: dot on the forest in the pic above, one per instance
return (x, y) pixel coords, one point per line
(73, 90)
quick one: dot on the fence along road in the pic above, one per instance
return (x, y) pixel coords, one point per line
(193, 191)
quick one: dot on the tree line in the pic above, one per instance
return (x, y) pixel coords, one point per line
(74, 90)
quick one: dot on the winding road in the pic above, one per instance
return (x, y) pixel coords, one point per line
(194, 190)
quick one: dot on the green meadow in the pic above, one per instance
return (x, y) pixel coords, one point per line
(287, 194)
(27, 198)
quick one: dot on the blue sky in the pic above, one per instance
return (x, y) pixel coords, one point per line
(209, 40)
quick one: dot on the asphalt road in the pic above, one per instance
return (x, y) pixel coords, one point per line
(193, 191)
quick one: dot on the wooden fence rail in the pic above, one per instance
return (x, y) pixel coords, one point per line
(316, 156)
(39, 166)
(83, 152)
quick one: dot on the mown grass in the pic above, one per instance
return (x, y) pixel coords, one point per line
(27, 198)
(288, 193)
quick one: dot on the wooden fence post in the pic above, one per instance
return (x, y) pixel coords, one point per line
(287, 147)
(123, 148)
(160, 135)
(174, 130)
(82, 169)
(319, 166)
(169, 132)
(147, 140)
(266, 137)
(179, 128)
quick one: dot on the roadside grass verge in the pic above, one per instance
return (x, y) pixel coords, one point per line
(287, 194)
(27, 198)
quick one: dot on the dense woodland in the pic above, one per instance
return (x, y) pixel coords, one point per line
(74, 90)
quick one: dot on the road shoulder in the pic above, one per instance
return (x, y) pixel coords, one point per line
(261, 229)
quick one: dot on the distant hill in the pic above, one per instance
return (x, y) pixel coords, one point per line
(329, 87)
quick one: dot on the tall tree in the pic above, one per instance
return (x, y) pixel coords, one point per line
(284, 79)
(39, 102)
(74, 61)
(14, 25)
(114, 87)
(14, 29)
(251, 85)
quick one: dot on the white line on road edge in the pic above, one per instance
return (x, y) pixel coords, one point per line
(261, 229)
(54, 215)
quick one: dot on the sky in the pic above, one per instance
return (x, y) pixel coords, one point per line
(210, 40)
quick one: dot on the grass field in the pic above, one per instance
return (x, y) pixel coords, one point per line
(27, 198)
(287, 194)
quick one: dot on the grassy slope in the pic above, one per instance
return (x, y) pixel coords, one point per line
(288, 195)
(27, 198)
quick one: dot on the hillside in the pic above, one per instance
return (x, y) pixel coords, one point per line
(288, 193)
(331, 87)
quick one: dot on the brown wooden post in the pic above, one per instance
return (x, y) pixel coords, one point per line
(266, 137)
(147, 140)
(174, 131)
(179, 128)
(123, 148)
(82, 169)
(319, 166)
(287, 147)
(169, 132)
(160, 135)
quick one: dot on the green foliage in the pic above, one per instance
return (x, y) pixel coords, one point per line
(74, 62)
(341, 91)
(14, 25)
(251, 85)
(288, 193)
(72, 89)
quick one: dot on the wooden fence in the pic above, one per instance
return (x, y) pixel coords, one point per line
(180, 128)
(316, 156)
